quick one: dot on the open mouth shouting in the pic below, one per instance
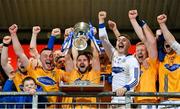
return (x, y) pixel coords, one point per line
(140, 56)
(49, 64)
(82, 65)
(22, 67)
(121, 46)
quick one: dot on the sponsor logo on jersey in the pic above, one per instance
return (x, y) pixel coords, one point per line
(117, 69)
(46, 80)
(172, 67)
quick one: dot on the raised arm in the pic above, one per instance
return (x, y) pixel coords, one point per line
(4, 57)
(151, 42)
(69, 65)
(33, 44)
(137, 28)
(144, 33)
(17, 46)
(3, 75)
(69, 62)
(109, 49)
(75, 54)
(160, 45)
(95, 58)
(167, 34)
(54, 33)
(113, 27)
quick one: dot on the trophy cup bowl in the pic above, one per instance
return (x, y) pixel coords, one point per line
(80, 37)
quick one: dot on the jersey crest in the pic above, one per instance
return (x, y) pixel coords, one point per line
(172, 67)
(46, 80)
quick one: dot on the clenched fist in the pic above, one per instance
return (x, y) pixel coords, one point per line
(133, 14)
(112, 25)
(162, 18)
(56, 32)
(36, 29)
(7, 40)
(13, 29)
(102, 16)
(68, 31)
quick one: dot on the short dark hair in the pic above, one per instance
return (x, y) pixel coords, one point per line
(87, 54)
(140, 43)
(45, 49)
(27, 79)
(127, 36)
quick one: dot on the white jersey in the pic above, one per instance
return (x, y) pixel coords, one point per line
(125, 69)
(125, 72)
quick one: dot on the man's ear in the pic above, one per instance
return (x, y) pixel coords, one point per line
(90, 62)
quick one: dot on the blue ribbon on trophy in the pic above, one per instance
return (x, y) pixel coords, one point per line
(99, 42)
(67, 44)
(92, 37)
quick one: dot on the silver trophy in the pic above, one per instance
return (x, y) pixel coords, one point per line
(80, 36)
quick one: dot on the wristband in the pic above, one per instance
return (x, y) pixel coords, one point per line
(51, 42)
(102, 25)
(127, 87)
(140, 22)
(161, 38)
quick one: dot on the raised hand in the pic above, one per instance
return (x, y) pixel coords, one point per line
(56, 32)
(162, 18)
(133, 14)
(7, 40)
(13, 29)
(36, 29)
(112, 25)
(102, 16)
(67, 31)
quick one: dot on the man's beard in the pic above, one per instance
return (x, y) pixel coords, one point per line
(87, 69)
